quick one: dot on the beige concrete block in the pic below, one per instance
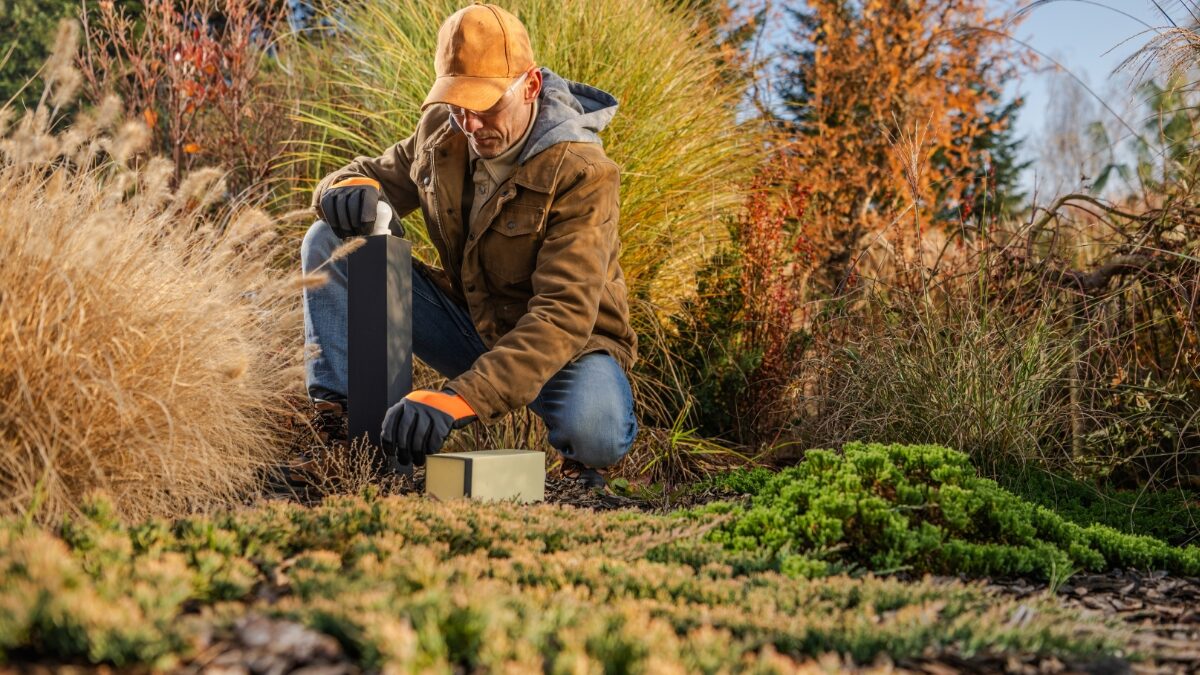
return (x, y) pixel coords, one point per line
(487, 475)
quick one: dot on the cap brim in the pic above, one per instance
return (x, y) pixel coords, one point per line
(472, 93)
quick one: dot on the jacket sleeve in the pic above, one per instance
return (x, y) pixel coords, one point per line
(568, 279)
(391, 169)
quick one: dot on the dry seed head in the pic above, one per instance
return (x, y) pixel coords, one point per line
(247, 224)
(345, 250)
(61, 75)
(66, 84)
(156, 183)
(309, 281)
(305, 215)
(65, 42)
(200, 189)
(131, 138)
(108, 112)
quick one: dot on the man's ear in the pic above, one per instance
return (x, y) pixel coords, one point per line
(533, 84)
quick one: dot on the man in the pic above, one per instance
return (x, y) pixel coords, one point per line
(529, 306)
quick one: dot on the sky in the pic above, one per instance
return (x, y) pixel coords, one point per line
(1090, 39)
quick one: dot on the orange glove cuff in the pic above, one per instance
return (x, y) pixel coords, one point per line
(453, 405)
(357, 180)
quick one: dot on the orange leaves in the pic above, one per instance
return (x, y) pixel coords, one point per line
(881, 71)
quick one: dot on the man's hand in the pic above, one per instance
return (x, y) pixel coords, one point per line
(419, 424)
(349, 206)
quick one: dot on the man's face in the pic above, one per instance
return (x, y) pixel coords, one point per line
(494, 130)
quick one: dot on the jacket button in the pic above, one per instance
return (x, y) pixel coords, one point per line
(471, 237)
(470, 288)
(426, 181)
(511, 225)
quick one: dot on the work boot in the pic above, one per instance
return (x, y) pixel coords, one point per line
(330, 428)
(583, 474)
(329, 421)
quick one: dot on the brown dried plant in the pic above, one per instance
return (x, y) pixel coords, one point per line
(145, 350)
(199, 73)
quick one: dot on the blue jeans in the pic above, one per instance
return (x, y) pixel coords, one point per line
(587, 406)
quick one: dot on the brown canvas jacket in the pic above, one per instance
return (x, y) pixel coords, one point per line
(538, 270)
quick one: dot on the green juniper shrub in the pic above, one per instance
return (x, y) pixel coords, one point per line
(912, 507)
(742, 480)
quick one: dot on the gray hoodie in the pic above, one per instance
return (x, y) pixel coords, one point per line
(570, 111)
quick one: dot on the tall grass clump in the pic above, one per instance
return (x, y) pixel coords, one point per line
(145, 348)
(683, 154)
(966, 372)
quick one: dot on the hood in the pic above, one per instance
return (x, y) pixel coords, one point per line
(567, 111)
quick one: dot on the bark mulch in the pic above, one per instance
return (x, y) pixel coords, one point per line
(1162, 611)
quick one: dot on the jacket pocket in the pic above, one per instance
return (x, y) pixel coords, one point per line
(510, 245)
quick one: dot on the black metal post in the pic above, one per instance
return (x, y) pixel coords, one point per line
(379, 344)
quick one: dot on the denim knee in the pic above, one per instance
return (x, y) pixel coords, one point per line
(596, 435)
(318, 244)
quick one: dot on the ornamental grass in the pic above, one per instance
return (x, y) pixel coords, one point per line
(683, 154)
(147, 348)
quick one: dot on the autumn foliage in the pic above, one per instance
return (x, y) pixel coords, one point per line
(194, 72)
(888, 101)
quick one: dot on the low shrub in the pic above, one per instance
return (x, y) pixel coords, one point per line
(922, 508)
(412, 585)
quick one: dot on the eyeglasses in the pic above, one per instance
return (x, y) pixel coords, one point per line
(460, 114)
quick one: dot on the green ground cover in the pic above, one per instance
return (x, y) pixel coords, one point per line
(1171, 514)
(414, 584)
(751, 585)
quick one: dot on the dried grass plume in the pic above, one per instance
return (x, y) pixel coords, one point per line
(145, 350)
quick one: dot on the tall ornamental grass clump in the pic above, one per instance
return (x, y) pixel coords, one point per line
(145, 349)
(965, 370)
(682, 152)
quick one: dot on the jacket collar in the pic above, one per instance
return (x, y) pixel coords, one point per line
(539, 172)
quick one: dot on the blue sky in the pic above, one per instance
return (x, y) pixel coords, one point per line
(1091, 39)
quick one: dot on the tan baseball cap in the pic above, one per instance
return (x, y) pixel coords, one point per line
(481, 50)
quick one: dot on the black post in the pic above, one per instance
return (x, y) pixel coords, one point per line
(379, 345)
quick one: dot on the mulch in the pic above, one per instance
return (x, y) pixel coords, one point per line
(1162, 611)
